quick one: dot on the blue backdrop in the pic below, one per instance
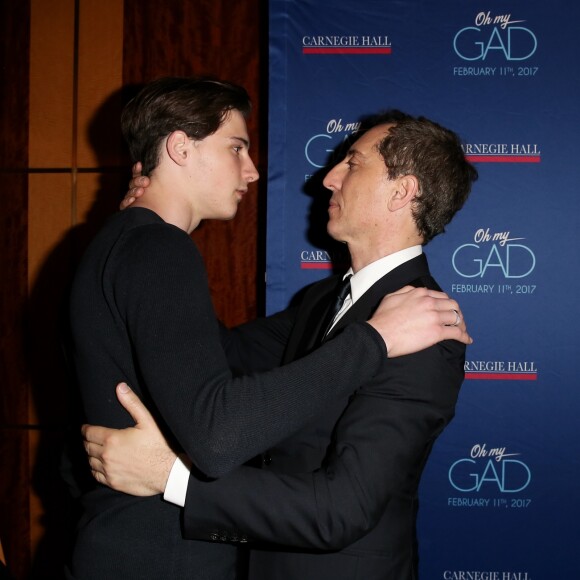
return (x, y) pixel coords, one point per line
(500, 492)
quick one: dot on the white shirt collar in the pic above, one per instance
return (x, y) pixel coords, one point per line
(365, 278)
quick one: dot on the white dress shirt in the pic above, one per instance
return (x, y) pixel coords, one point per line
(176, 487)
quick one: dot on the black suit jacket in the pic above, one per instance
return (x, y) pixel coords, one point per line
(342, 491)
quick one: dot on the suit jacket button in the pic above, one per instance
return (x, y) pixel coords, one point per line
(266, 459)
(213, 536)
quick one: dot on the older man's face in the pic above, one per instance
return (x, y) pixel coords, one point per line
(358, 211)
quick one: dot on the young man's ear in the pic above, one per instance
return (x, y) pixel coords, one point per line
(407, 188)
(178, 147)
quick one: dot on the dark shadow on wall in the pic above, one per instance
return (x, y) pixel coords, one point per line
(60, 468)
(317, 220)
(314, 188)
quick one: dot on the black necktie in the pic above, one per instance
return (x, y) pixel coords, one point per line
(342, 291)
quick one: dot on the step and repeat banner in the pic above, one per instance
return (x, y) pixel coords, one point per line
(500, 497)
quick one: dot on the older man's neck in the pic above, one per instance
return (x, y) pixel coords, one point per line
(363, 256)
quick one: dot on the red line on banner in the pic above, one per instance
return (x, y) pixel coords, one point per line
(502, 376)
(316, 265)
(347, 50)
(504, 158)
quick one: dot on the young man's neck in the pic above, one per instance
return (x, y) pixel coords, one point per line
(170, 207)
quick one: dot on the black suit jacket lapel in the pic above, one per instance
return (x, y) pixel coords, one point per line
(415, 272)
(311, 314)
(317, 300)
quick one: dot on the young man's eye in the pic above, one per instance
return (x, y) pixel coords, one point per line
(238, 148)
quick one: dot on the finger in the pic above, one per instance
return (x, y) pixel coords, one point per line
(93, 450)
(461, 335)
(136, 189)
(96, 466)
(136, 169)
(100, 477)
(421, 292)
(442, 303)
(436, 294)
(452, 305)
(95, 434)
(403, 290)
(127, 201)
(456, 333)
(133, 404)
(451, 317)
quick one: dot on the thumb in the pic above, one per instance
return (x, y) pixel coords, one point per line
(133, 405)
(403, 290)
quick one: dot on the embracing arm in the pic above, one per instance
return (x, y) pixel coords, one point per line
(219, 421)
(258, 345)
(129, 460)
(160, 293)
(380, 445)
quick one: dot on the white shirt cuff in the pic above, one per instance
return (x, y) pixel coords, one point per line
(176, 487)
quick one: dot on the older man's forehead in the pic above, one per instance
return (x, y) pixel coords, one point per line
(367, 142)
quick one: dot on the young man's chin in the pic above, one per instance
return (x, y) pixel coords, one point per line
(231, 215)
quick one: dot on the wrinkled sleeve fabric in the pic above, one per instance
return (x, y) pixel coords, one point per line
(161, 293)
(258, 345)
(380, 446)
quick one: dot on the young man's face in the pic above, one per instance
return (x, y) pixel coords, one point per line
(222, 169)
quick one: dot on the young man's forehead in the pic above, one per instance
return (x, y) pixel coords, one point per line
(234, 125)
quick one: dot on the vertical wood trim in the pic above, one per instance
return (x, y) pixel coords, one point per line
(51, 83)
(14, 102)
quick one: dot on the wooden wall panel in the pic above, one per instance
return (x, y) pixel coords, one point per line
(51, 83)
(52, 120)
(100, 77)
(49, 217)
(49, 265)
(98, 196)
(49, 259)
(14, 474)
(65, 67)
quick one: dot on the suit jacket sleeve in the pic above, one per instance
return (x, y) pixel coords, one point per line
(160, 292)
(379, 448)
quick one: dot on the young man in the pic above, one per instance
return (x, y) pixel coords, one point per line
(348, 482)
(140, 309)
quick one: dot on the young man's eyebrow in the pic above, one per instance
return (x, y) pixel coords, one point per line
(243, 140)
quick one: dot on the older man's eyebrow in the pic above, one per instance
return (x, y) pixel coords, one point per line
(353, 152)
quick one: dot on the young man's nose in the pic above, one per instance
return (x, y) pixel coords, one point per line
(251, 172)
